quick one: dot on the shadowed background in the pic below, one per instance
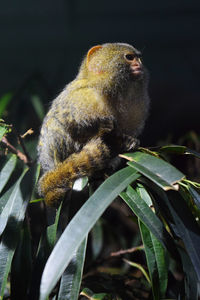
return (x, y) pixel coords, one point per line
(42, 44)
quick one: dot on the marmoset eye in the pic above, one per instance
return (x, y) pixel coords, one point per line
(130, 56)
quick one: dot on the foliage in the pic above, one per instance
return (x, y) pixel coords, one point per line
(148, 208)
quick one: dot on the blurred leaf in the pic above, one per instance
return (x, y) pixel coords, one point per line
(3, 131)
(174, 149)
(140, 267)
(146, 215)
(192, 152)
(7, 171)
(71, 278)
(38, 106)
(35, 180)
(80, 225)
(159, 171)
(97, 238)
(4, 101)
(92, 296)
(156, 262)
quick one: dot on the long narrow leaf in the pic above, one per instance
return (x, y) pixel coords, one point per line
(80, 225)
(14, 204)
(146, 215)
(156, 262)
(7, 171)
(71, 278)
(186, 228)
(15, 215)
(159, 171)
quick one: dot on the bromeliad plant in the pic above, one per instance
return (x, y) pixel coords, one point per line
(164, 201)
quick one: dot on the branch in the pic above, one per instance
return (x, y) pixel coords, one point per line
(12, 149)
(130, 250)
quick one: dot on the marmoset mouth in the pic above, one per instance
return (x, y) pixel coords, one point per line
(137, 71)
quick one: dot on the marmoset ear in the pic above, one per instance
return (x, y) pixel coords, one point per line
(91, 51)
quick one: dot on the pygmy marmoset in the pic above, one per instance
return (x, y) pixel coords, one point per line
(97, 116)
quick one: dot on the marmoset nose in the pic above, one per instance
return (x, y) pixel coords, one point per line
(136, 62)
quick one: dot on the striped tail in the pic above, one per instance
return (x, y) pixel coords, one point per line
(54, 184)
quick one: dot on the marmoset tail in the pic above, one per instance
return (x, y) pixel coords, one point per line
(97, 116)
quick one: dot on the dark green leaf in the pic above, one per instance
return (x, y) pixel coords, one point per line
(185, 227)
(80, 225)
(71, 278)
(97, 238)
(13, 217)
(38, 106)
(146, 215)
(7, 171)
(191, 282)
(4, 101)
(173, 149)
(159, 171)
(14, 205)
(21, 266)
(3, 131)
(156, 262)
(195, 196)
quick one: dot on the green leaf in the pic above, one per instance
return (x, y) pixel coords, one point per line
(80, 225)
(38, 106)
(97, 239)
(173, 149)
(185, 227)
(7, 171)
(13, 215)
(3, 131)
(4, 101)
(156, 262)
(146, 215)
(14, 204)
(52, 229)
(92, 296)
(144, 194)
(21, 266)
(159, 171)
(71, 278)
(191, 282)
(195, 196)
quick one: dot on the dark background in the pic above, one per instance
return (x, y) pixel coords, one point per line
(44, 41)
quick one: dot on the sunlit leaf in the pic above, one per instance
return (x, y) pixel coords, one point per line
(14, 204)
(80, 225)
